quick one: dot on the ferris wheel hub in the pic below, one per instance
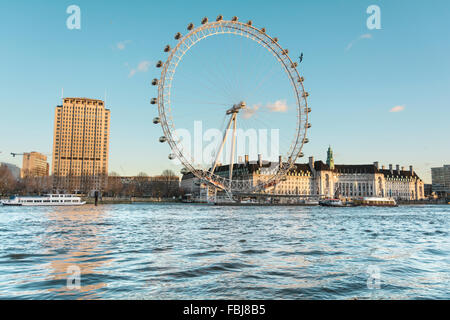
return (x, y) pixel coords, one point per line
(237, 107)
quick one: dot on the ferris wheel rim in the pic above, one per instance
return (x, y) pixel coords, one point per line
(282, 56)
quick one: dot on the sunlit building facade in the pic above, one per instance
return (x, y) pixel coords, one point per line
(34, 164)
(326, 180)
(81, 145)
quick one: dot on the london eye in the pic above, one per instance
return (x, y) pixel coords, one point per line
(232, 104)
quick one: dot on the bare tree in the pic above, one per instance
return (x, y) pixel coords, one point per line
(7, 181)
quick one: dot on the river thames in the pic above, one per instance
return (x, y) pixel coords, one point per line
(183, 251)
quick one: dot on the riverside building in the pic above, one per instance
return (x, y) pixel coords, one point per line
(80, 145)
(34, 164)
(440, 179)
(325, 180)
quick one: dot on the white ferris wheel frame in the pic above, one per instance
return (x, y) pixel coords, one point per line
(176, 54)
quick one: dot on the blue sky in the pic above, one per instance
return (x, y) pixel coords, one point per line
(355, 76)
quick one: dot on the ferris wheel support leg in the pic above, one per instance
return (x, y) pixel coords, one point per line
(233, 147)
(222, 145)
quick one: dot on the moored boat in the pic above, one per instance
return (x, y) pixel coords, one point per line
(376, 202)
(331, 203)
(45, 200)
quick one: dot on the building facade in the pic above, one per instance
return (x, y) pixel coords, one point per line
(34, 164)
(15, 170)
(325, 180)
(440, 180)
(80, 145)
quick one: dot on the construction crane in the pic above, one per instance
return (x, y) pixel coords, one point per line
(21, 154)
(16, 154)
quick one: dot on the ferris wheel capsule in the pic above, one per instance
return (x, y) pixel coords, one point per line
(301, 155)
(154, 82)
(308, 125)
(231, 182)
(305, 94)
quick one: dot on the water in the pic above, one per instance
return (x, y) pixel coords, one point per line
(176, 251)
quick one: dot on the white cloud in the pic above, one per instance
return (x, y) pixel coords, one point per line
(250, 111)
(277, 106)
(361, 37)
(397, 109)
(121, 45)
(141, 67)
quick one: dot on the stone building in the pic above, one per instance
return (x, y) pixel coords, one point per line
(325, 180)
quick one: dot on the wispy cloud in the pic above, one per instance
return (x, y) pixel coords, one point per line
(397, 109)
(361, 37)
(250, 111)
(141, 67)
(277, 106)
(121, 45)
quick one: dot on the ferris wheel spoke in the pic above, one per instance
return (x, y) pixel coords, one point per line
(220, 85)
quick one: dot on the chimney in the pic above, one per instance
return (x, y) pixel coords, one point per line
(403, 168)
(383, 167)
(411, 169)
(311, 162)
(397, 167)
(280, 162)
(259, 160)
(240, 159)
(390, 168)
(246, 159)
(376, 164)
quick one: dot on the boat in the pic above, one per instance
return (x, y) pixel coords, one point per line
(337, 203)
(376, 202)
(45, 200)
(331, 203)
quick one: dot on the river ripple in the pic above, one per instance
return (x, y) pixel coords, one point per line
(183, 251)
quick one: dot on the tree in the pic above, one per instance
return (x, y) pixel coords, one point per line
(7, 181)
(171, 182)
